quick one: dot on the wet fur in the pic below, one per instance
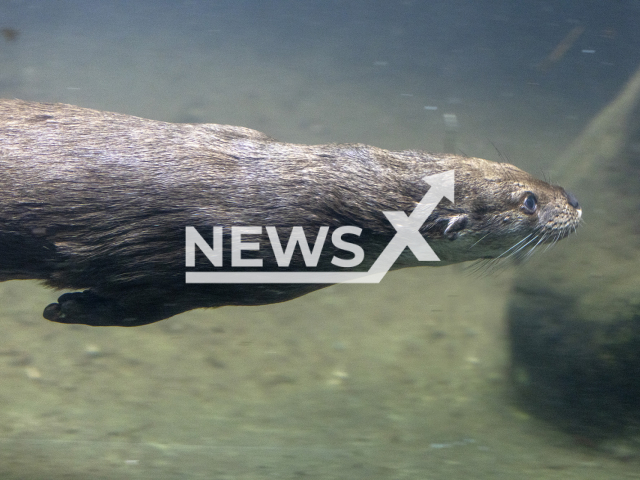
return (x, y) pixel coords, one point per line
(100, 201)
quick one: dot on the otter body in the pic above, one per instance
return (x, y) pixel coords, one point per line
(100, 201)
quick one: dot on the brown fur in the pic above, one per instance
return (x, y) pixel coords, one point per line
(101, 200)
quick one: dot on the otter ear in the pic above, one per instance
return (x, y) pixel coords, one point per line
(454, 226)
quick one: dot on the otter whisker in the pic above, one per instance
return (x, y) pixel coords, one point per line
(517, 252)
(482, 238)
(495, 265)
(553, 242)
(532, 249)
(515, 246)
(478, 267)
(487, 266)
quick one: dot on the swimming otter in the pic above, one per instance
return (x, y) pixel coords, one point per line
(101, 201)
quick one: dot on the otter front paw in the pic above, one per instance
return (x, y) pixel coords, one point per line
(86, 308)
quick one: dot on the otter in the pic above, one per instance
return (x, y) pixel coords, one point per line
(101, 201)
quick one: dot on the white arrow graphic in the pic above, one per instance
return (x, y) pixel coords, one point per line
(408, 227)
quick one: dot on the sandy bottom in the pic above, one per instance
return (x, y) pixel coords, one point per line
(407, 379)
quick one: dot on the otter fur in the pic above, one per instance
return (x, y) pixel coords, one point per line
(100, 201)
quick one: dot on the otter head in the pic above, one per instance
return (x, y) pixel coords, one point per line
(501, 211)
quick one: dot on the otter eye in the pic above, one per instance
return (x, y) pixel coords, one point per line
(530, 204)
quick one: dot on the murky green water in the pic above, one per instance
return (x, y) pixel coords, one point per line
(406, 379)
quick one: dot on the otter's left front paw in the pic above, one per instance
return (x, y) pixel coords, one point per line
(84, 307)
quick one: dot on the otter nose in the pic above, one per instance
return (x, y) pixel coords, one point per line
(573, 201)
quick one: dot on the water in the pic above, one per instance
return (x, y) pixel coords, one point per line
(407, 379)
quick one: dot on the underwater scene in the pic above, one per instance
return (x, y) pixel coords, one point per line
(520, 367)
